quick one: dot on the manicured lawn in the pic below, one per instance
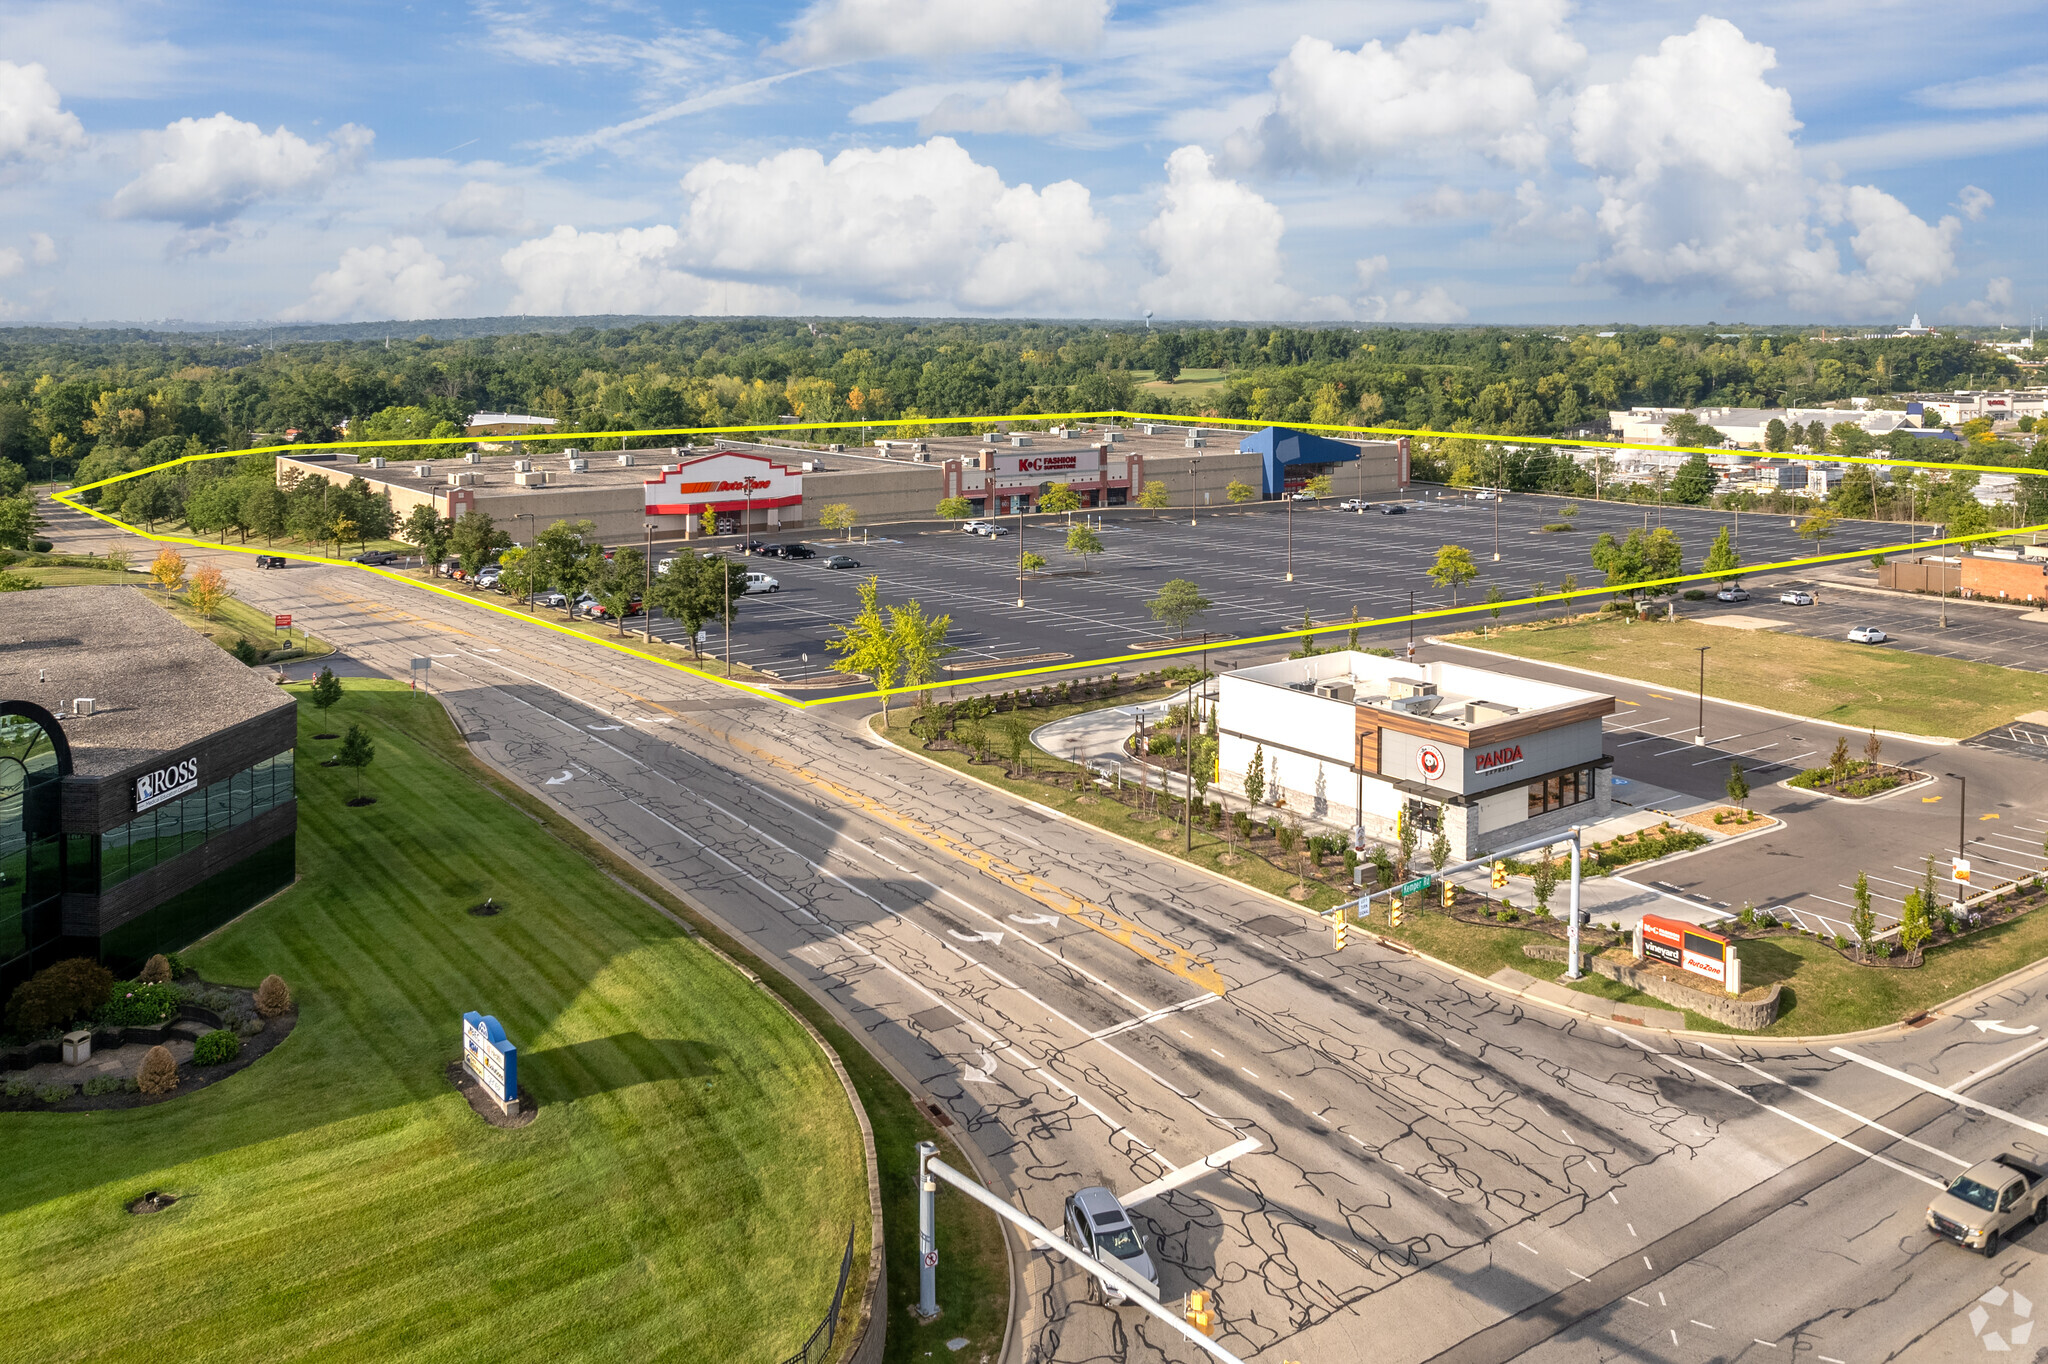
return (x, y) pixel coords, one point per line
(685, 1192)
(1849, 684)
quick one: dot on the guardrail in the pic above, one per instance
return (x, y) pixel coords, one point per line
(813, 1351)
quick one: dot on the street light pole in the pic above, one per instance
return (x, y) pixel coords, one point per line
(1290, 529)
(532, 551)
(1411, 626)
(647, 588)
(1020, 559)
(1496, 525)
(1962, 816)
(1700, 736)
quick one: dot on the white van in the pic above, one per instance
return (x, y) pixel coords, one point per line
(761, 582)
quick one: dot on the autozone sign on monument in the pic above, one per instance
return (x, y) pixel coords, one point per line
(1506, 756)
(1686, 946)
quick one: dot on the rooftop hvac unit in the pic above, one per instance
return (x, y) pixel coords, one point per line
(531, 478)
(578, 466)
(473, 457)
(809, 466)
(1195, 442)
(1336, 688)
(835, 449)
(991, 437)
(1112, 436)
(625, 459)
(1147, 429)
(1019, 442)
(923, 456)
(422, 471)
(82, 707)
(461, 480)
(522, 466)
(376, 461)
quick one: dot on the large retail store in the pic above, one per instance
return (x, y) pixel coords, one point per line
(145, 781)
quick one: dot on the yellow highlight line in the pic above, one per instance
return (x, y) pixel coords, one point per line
(68, 498)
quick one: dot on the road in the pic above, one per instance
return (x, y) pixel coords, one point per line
(1436, 1162)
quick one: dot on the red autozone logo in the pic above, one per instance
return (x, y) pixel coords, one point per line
(1500, 757)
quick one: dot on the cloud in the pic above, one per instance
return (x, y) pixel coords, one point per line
(1218, 247)
(34, 126)
(402, 280)
(205, 171)
(1037, 106)
(2009, 89)
(857, 30)
(43, 249)
(1702, 187)
(1989, 311)
(483, 209)
(896, 225)
(1433, 304)
(1479, 88)
(663, 56)
(629, 271)
(11, 262)
(1975, 203)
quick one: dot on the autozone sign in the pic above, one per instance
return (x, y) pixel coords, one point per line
(1028, 463)
(727, 481)
(1686, 946)
(1506, 756)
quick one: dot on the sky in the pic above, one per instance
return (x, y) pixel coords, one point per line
(1434, 161)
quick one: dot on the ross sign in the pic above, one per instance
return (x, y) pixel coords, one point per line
(284, 622)
(166, 783)
(1429, 761)
(1962, 871)
(729, 481)
(490, 1056)
(1686, 946)
(1498, 758)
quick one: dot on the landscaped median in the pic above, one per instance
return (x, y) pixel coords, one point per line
(1860, 685)
(686, 1189)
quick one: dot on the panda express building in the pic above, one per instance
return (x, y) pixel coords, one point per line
(146, 792)
(1357, 739)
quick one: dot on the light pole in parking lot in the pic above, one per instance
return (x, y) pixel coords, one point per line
(1020, 558)
(532, 551)
(647, 588)
(1496, 525)
(1700, 736)
(1290, 528)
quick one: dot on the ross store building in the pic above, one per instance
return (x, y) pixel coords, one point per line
(146, 792)
(1358, 740)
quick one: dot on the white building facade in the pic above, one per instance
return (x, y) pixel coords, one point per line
(1356, 740)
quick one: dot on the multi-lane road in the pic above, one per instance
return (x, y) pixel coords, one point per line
(1440, 1171)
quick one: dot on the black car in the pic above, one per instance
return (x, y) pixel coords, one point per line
(798, 552)
(1392, 509)
(841, 561)
(376, 556)
(270, 561)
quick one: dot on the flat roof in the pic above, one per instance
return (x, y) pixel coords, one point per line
(156, 686)
(1393, 685)
(496, 474)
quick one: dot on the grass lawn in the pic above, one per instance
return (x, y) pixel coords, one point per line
(685, 1192)
(1848, 684)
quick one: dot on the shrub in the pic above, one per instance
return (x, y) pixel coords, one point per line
(136, 1005)
(1841, 943)
(57, 994)
(105, 1084)
(272, 998)
(216, 1048)
(18, 1088)
(1695, 594)
(245, 652)
(159, 1073)
(54, 1094)
(155, 971)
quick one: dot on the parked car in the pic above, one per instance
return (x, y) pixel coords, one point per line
(1987, 1201)
(270, 561)
(587, 605)
(976, 527)
(1392, 509)
(1731, 594)
(555, 599)
(761, 582)
(1867, 634)
(799, 551)
(1357, 504)
(1302, 497)
(488, 575)
(998, 532)
(840, 561)
(1795, 598)
(1097, 1225)
(375, 556)
(1485, 495)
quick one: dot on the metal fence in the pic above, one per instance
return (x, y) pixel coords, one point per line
(819, 1346)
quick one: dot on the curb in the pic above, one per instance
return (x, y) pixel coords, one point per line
(1925, 780)
(1901, 594)
(1440, 642)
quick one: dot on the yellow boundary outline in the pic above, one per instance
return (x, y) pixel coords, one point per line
(68, 497)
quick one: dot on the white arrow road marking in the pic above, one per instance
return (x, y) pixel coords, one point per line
(1037, 920)
(557, 781)
(993, 938)
(1188, 1174)
(602, 728)
(1996, 1025)
(983, 1074)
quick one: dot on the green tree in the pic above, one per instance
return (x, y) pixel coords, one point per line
(1320, 486)
(868, 644)
(1154, 496)
(920, 643)
(263, 508)
(473, 537)
(1440, 846)
(840, 517)
(1083, 541)
(325, 691)
(1738, 785)
(1060, 498)
(1255, 777)
(1722, 558)
(357, 752)
(1693, 485)
(1863, 920)
(1685, 429)
(1632, 563)
(1494, 598)
(1817, 527)
(1777, 436)
(1914, 928)
(1544, 881)
(1179, 604)
(617, 581)
(693, 589)
(1240, 492)
(954, 508)
(1453, 568)
(562, 557)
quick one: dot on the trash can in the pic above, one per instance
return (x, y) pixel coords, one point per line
(78, 1047)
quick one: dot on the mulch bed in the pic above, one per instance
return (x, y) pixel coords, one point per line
(153, 1201)
(488, 908)
(190, 1077)
(484, 1106)
(1905, 776)
(363, 800)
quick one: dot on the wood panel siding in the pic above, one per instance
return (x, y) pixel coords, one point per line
(1481, 736)
(1368, 759)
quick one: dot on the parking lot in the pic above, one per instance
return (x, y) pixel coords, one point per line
(1343, 562)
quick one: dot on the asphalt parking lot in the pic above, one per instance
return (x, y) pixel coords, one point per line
(1343, 562)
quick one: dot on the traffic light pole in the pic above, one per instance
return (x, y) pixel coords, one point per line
(1571, 837)
(931, 1168)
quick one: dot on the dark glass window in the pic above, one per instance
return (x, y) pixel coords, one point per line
(180, 825)
(1555, 793)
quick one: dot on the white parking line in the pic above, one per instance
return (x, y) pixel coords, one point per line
(1951, 1095)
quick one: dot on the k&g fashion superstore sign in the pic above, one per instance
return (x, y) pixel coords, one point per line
(166, 783)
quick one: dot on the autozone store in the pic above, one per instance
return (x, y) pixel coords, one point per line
(746, 492)
(1352, 739)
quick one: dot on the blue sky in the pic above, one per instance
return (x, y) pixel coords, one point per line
(1514, 161)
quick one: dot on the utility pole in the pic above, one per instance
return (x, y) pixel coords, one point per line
(1187, 750)
(647, 588)
(725, 576)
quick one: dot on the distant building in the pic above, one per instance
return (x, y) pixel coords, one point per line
(506, 424)
(1914, 328)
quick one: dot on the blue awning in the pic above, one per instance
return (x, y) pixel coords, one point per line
(1279, 448)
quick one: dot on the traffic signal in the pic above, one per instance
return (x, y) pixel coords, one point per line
(1200, 1315)
(1400, 824)
(1338, 931)
(1393, 914)
(1500, 875)
(1450, 895)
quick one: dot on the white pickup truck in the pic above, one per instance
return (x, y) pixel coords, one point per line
(1986, 1202)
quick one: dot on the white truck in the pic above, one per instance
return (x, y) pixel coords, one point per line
(1988, 1201)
